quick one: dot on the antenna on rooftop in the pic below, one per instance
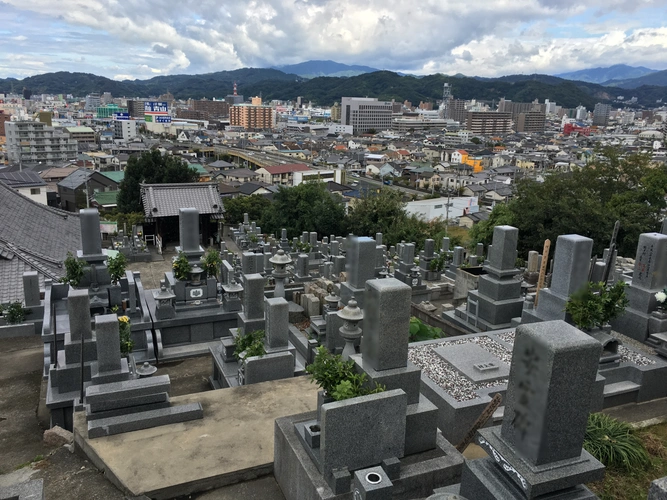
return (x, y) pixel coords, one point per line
(235, 88)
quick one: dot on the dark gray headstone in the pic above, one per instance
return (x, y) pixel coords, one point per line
(429, 248)
(378, 238)
(188, 229)
(302, 265)
(386, 333)
(548, 399)
(360, 260)
(480, 250)
(503, 252)
(78, 309)
(408, 253)
(333, 248)
(445, 244)
(253, 296)
(458, 256)
(91, 237)
(651, 262)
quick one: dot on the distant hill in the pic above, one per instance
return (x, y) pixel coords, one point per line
(314, 69)
(608, 75)
(218, 84)
(659, 78)
(385, 85)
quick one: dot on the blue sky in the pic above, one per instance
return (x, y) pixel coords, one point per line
(128, 39)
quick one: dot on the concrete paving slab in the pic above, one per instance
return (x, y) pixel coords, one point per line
(232, 443)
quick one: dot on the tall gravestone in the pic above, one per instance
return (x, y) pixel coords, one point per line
(649, 277)
(538, 449)
(95, 273)
(498, 296)
(188, 231)
(360, 266)
(252, 316)
(570, 273)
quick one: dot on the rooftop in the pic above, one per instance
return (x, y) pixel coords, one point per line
(164, 200)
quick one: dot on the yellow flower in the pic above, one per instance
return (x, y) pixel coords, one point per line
(124, 319)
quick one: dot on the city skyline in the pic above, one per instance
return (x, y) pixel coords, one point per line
(141, 40)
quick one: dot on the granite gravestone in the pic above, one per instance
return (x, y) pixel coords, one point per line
(360, 267)
(188, 231)
(538, 449)
(498, 297)
(570, 273)
(252, 316)
(648, 278)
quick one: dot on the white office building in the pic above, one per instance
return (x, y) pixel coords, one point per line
(124, 129)
(366, 114)
(34, 142)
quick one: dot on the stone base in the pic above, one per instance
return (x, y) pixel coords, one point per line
(632, 323)
(499, 312)
(250, 325)
(483, 479)
(299, 479)
(348, 292)
(408, 378)
(532, 480)
(550, 306)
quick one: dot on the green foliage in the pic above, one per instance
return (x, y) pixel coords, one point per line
(338, 378)
(73, 270)
(181, 267)
(210, 262)
(421, 331)
(589, 201)
(482, 232)
(301, 247)
(15, 313)
(249, 344)
(125, 333)
(306, 207)
(151, 168)
(116, 266)
(596, 305)
(438, 263)
(254, 206)
(614, 443)
(128, 220)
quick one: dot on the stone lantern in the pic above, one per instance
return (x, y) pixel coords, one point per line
(280, 261)
(351, 315)
(164, 300)
(195, 275)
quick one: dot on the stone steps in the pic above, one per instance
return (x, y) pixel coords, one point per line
(187, 350)
(620, 393)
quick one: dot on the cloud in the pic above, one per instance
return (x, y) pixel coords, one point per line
(195, 36)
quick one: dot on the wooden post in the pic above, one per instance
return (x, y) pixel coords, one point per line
(480, 422)
(543, 269)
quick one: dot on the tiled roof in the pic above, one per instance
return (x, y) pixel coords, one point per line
(76, 178)
(35, 234)
(164, 200)
(11, 279)
(114, 175)
(106, 198)
(23, 179)
(286, 168)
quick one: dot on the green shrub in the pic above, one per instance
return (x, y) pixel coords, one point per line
(338, 378)
(73, 270)
(210, 262)
(421, 331)
(596, 305)
(15, 313)
(116, 266)
(249, 344)
(181, 267)
(614, 443)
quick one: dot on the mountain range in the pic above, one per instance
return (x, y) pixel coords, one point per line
(272, 83)
(313, 69)
(607, 76)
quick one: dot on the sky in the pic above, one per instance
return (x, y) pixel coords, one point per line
(139, 39)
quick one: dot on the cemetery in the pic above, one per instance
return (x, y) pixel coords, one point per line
(314, 377)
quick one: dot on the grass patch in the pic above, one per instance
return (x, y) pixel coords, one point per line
(633, 484)
(38, 458)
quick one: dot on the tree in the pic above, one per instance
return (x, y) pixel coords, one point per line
(306, 207)
(151, 168)
(377, 213)
(482, 232)
(254, 206)
(588, 202)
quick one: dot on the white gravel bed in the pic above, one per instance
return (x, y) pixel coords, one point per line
(507, 337)
(629, 356)
(446, 376)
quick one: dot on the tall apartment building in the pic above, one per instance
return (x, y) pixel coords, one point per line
(582, 113)
(124, 129)
(4, 117)
(93, 101)
(212, 109)
(335, 112)
(457, 110)
(252, 117)
(32, 142)
(136, 108)
(366, 114)
(532, 121)
(489, 122)
(601, 114)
